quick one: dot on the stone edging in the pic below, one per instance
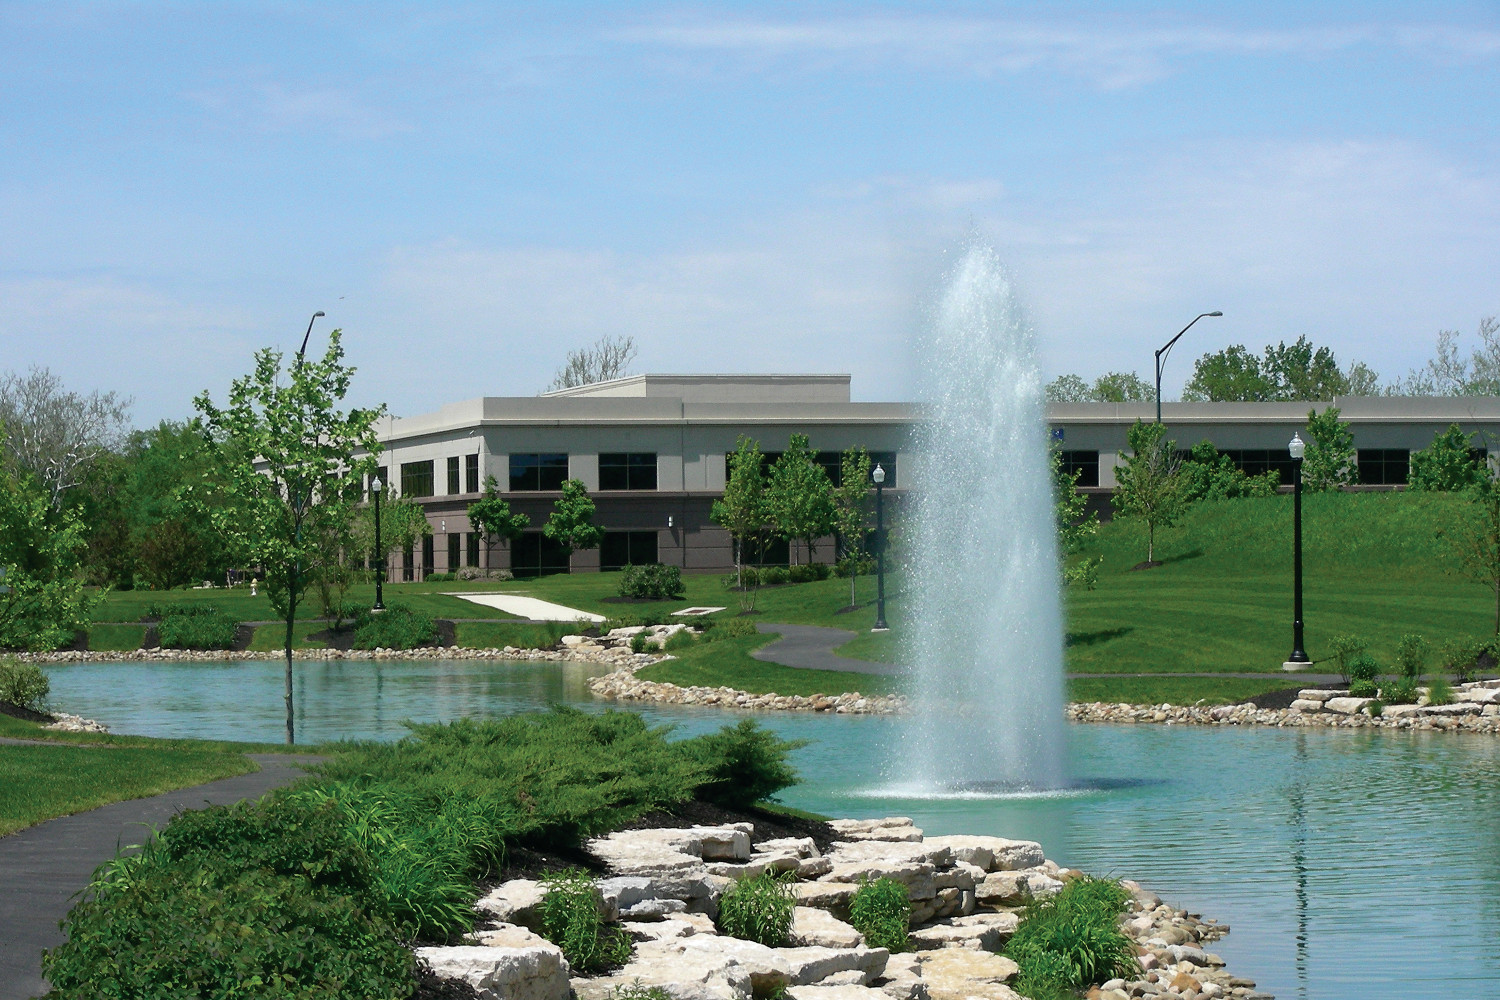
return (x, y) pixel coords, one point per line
(1249, 715)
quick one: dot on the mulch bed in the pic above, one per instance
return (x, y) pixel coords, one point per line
(22, 712)
(1281, 699)
(432, 987)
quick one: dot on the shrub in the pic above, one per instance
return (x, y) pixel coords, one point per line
(397, 627)
(1345, 648)
(23, 684)
(854, 565)
(640, 991)
(571, 920)
(881, 911)
(774, 575)
(653, 581)
(758, 909)
(1439, 692)
(1363, 689)
(1399, 691)
(749, 575)
(196, 626)
(728, 628)
(641, 642)
(475, 573)
(1375, 709)
(1362, 667)
(1459, 656)
(1411, 656)
(1079, 927)
(440, 578)
(680, 640)
(742, 764)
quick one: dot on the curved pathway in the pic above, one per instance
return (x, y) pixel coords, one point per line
(811, 647)
(42, 867)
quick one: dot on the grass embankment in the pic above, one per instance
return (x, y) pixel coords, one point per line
(728, 663)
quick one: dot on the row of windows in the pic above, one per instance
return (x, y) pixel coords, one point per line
(832, 463)
(417, 478)
(1376, 466)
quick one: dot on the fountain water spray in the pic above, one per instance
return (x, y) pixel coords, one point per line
(983, 594)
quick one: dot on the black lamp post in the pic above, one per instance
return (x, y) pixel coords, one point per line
(1297, 448)
(1161, 355)
(303, 349)
(375, 487)
(879, 476)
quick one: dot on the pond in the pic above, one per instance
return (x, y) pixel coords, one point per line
(1355, 863)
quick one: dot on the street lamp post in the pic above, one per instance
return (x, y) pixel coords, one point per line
(879, 476)
(1162, 354)
(303, 349)
(375, 487)
(1297, 448)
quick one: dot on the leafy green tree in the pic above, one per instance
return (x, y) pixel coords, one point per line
(1300, 371)
(1147, 485)
(1208, 474)
(572, 522)
(492, 518)
(1284, 372)
(1230, 375)
(1111, 387)
(1473, 536)
(851, 511)
(1330, 459)
(301, 489)
(1074, 527)
(1449, 374)
(42, 600)
(742, 510)
(1449, 463)
(402, 522)
(799, 495)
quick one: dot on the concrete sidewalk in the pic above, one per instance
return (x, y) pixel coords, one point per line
(44, 866)
(811, 647)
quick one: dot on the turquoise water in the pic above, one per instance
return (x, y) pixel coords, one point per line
(1349, 863)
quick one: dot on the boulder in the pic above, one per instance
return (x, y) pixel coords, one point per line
(991, 853)
(839, 992)
(959, 973)
(537, 972)
(646, 852)
(679, 926)
(831, 896)
(986, 931)
(813, 965)
(622, 892)
(1014, 888)
(1347, 706)
(653, 909)
(897, 828)
(518, 901)
(812, 927)
(1321, 694)
(916, 877)
(1304, 705)
(891, 852)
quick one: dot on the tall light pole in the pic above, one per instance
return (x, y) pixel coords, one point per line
(1162, 354)
(375, 487)
(303, 349)
(879, 476)
(1297, 448)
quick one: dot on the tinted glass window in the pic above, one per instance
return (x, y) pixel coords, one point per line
(1384, 466)
(545, 471)
(627, 548)
(534, 554)
(627, 470)
(1085, 463)
(453, 475)
(471, 473)
(416, 479)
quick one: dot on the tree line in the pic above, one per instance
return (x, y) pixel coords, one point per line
(1303, 372)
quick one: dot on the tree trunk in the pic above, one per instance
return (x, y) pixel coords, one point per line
(291, 735)
(1150, 541)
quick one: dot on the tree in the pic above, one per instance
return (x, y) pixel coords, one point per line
(1074, 527)
(492, 518)
(1147, 485)
(1209, 474)
(851, 511)
(606, 359)
(799, 495)
(1449, 464)
(572, 522)
(42, 599)
(1232, 375)
(1448, 374)
(1362, 379)
(288, 480)
(742, 510)
(1111, 387)
(1330, 460)
(1283, 373)
(1473, 536)
(1299, 371)
(55, 435)
(402, 522)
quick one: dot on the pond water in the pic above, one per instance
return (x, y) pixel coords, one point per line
(1348, 863)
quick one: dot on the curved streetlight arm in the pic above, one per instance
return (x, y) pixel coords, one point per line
(303, 349)
(1164, 351)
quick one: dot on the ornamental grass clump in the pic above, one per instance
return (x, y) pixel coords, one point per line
(881, 911)
(1073, 939)
(196, 626)
(397, 627)
(571, 920)
(759, 909)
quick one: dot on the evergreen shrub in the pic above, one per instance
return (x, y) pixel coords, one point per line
(742, 764)
(774, 575)
(653, 581)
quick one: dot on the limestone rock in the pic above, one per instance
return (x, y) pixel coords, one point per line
(654, 909)
(518, 901)
(818, 928)
(986, 931)
(831, 896)
(680, 926)
(507, 936)
(839, 992)
(891, 828)
(959, 973)
(644, 852)
(530, 973)
(622, 892)
(992, 853)
(892, 852)
(916, 877)
(1347, 706)
(812, 965)
(1014, 888)
(1305, 705)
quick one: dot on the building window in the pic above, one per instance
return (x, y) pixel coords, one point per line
(473, 544)
(428, 556)
(1384, 466)
(634, 470)
(1259, 461)
(416, 479)
(618, 549)
(534, 554)
(471, 473)
(832, 462)
(453, 483)
(773, 552)
(455, 544)
(538, 472)
(1085, 463)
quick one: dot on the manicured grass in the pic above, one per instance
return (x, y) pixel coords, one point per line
(1174, 690)
(272, 638)
(22, 730)
(728, 663)
(114, 638)
(39, 783)
(525, 635)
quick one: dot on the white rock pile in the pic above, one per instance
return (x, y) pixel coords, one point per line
(664, 886)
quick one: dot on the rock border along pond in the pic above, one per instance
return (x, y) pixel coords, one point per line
(663, 887)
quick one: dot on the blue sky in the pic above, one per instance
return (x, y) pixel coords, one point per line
(471, 190)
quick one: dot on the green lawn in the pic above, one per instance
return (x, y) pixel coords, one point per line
(1174, 690)
(114, 638)
(524, 635)
(40, 782)
(272, 638)
(728, 663)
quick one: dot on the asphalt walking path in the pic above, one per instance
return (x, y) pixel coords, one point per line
(44, 866)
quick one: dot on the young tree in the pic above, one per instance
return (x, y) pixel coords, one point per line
(1450, 463)
(42, 600)
(742, 510)
(1111, 387)
(572, 522)
(402, 522)
(851, 511)
(55, 435)
(1330, 459)
(1209, 474)
(607, 358)
(1473, 536)
(799, 495)
(492, 518)
(1074, 528)
(1230, 375)
(1448, 374)
(1147, 485)
(288, 480)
